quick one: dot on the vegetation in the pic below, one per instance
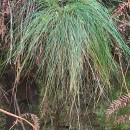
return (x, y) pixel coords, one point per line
(73, 50)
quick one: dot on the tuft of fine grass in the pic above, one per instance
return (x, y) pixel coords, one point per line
(61, 39)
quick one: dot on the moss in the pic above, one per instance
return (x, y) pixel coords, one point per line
(115, 93)
(128, 81)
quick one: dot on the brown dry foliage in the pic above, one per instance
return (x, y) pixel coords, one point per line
(34, 118)
(122, 119)
(4, 12)
(117, 104)
(31, 116)
(121, 12)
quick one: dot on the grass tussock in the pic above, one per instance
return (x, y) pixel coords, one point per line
(71, 45)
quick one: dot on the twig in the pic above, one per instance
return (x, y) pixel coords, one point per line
(18, 117)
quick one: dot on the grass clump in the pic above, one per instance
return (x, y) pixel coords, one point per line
(71, 46)
(61, 40)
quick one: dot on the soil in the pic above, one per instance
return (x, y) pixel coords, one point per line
(26, 95)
